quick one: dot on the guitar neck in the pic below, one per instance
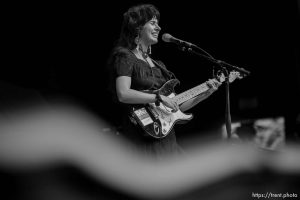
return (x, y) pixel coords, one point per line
(195, 91)
(191, 93)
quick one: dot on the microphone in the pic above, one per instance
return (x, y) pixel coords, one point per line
(166, 37)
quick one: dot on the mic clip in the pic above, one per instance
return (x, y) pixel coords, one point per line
(185, 46)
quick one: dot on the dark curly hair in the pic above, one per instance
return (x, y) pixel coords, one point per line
(133, 20)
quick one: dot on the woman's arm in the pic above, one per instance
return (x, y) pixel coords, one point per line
(130, 96)
(213, 86)
(127, 95)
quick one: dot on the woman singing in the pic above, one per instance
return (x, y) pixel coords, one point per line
(134, 71)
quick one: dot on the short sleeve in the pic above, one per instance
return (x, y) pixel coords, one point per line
(123, 64)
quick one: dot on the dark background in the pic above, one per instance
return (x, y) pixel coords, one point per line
(54, 49)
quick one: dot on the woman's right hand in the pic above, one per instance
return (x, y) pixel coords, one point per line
(170, 103)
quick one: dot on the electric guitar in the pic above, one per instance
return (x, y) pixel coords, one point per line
(158, 121)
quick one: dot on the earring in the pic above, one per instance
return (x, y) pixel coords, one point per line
(149, 50)
(139, 47)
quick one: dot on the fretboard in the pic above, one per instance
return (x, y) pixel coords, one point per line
(191, 93)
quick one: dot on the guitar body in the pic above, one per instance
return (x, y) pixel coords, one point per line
(158, 121)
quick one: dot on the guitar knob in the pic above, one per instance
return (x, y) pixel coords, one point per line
(164, 130)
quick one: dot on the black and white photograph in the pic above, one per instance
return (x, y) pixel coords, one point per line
(175, 100)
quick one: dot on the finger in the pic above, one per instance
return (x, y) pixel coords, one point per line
(215, 86)
(208, 84)
(217, 83)
(175, 106)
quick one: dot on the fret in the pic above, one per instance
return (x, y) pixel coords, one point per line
(191, 93)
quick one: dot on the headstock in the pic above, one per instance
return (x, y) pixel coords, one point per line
(232, 76)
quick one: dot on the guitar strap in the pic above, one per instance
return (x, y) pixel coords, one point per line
(170, 74)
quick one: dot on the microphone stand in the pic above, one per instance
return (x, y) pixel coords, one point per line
(227, 107)
(220, 63)
(224, 66)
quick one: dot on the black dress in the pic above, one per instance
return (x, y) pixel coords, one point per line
(143, 77)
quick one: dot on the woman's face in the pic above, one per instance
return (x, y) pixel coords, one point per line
(149, 33)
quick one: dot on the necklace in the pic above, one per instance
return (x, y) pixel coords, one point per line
(140, 51)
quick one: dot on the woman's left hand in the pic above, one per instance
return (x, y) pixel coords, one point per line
(213, 85)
